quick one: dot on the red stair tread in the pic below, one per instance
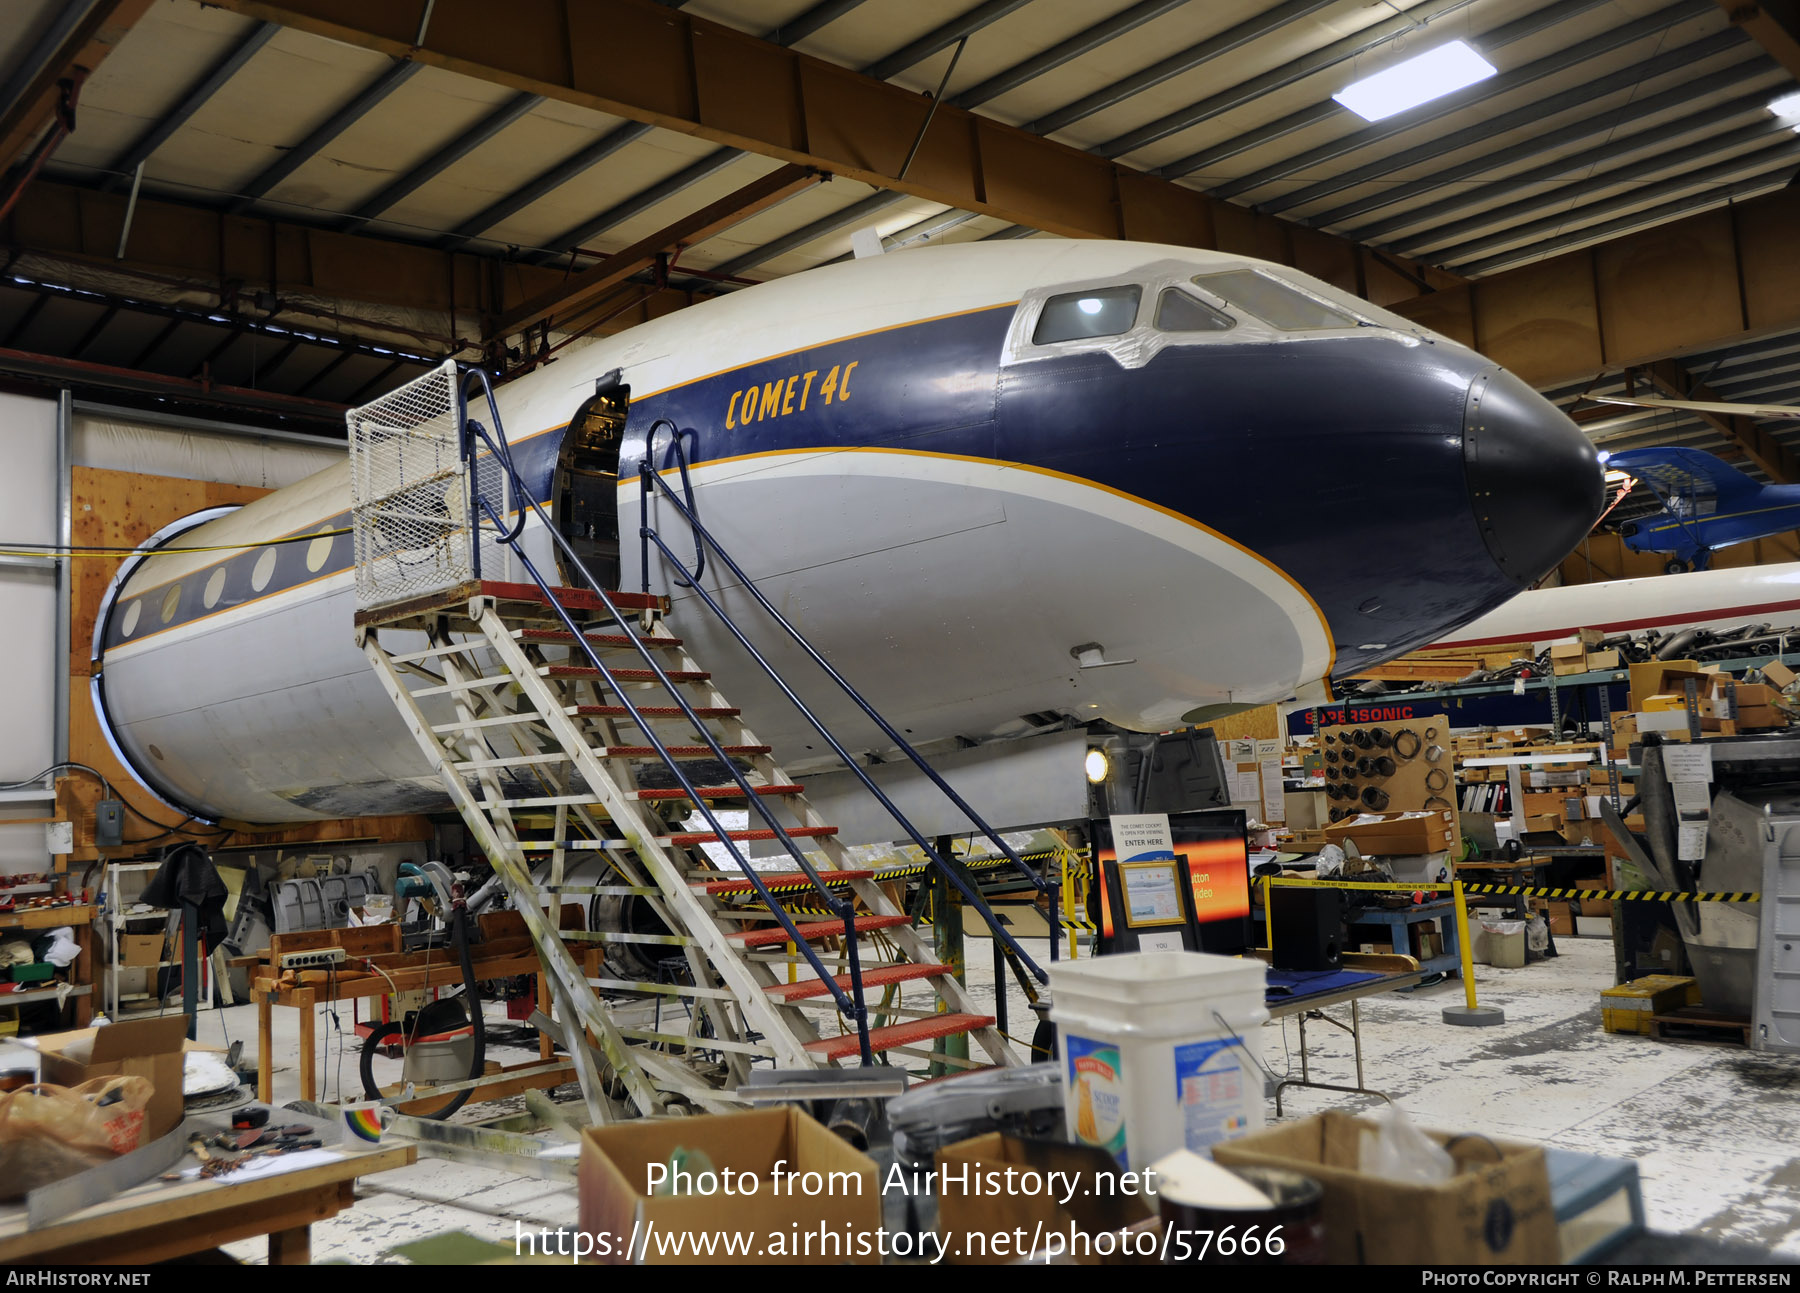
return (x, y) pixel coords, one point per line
(811, 930)
(777, 879)
(679, 751)
(878, 977)
(906, 1034)
(656, 711)
(598, 639)
(624, 675)
(715, 792)
(574, 599)
(707, 837)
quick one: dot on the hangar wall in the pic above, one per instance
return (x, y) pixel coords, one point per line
(28, 505)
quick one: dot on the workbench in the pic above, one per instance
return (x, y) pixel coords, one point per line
(404, 972)
(80, 918)
(1313, 991)
(160, 1220)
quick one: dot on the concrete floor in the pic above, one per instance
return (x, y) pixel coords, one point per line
(1714, 1128)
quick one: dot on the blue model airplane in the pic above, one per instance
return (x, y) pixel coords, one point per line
(1706, 504)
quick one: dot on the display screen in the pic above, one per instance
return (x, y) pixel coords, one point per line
(1218, 864)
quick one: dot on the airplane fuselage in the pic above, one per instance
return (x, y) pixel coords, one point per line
(920, 466)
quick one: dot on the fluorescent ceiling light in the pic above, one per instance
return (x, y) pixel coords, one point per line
(1787, 108)
(1416, 80)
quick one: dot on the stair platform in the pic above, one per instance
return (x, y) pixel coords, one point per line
(715, 792)
(876, 977)
(692, 838)
(909, 1033)
(775, 934)
(456, 598)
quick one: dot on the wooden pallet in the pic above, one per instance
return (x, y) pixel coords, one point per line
(1697, 1023)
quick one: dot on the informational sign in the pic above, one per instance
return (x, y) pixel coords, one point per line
(1274, 795)
(1141, 837)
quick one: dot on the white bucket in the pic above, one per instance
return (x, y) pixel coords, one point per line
(1151, 1052)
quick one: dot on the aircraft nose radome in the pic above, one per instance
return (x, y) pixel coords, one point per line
(1534, 478)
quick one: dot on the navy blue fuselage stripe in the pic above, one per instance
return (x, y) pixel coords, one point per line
(1326, 456)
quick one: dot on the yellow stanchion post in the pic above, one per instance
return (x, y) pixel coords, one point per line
(1268, 914)
(1468, 1015)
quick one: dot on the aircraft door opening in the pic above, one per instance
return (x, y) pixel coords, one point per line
(587, 480)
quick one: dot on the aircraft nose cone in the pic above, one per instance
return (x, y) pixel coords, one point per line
(1534, 478)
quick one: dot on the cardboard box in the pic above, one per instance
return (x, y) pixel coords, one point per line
(1660, 676)
(1495, 1211)
(1568, 658)
(1598, 660)
(971, 1220)
(1381, 834)
(146, 1048)
(1595, 906)
(1562, 919)
(140, 950)
(1544, 778)
(1629, 1007)
(614, 1187)
(1779, 675)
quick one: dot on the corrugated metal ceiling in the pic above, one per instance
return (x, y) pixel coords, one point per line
(1605, 115)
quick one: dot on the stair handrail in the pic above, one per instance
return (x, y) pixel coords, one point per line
(648, 475)
(473, 435)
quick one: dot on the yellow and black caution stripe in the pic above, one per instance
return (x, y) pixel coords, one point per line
(1520, 890)
(1613, 895)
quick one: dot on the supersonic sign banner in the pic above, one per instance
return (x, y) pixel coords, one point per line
(1337, 716)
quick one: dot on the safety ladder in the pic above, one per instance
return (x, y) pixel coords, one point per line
(556, 719)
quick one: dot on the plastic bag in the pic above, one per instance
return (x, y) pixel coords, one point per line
(48, 1133)
(106, 1114)
(1504, 928)
(1396, 1150)
(1537, 935)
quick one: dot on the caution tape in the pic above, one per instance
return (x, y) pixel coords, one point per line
(1518, 890)
(1614, 895)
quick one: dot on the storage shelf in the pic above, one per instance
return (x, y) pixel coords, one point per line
(1573, 680)
(42, 994)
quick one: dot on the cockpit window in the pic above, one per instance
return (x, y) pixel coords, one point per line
(1274, 302)
(1176, 311)
(1103, 312)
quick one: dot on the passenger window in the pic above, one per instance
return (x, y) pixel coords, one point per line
(1103, 312)
(1274, 302)
(1176, 311)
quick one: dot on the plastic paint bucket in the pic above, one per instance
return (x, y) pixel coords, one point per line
(1152, 1051)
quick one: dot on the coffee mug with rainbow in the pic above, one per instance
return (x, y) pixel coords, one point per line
(360, 1126)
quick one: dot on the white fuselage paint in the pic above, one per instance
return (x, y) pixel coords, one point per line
(1711, 599)
(955, 609)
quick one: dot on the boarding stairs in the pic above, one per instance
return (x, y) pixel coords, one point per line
(571, 723)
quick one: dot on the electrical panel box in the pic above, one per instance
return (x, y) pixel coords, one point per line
(109, 824)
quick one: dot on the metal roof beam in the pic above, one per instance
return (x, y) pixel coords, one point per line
(1782, 153)
(583, 160)
(1691, 286)
(819, 16)
(1625, 79)
(442, 160)
(1761, 445)
(1082, 42)
(80, 35)
(715, 83)
(1615, 146)
(852, 214)
(580, 289)
(1197, 55)
(190, 102)
(632, 207)
(942, 37)
(1773, 24)
(336, 124)
(1510, 221)
(1494, 86)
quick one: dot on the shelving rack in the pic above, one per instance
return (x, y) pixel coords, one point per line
(117, 1004)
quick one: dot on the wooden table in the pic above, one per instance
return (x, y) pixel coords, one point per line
(159, 1220)
(80, 918)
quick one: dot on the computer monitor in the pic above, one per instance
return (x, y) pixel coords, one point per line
(1211, 847)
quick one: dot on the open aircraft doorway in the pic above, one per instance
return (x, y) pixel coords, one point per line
(587, 481)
